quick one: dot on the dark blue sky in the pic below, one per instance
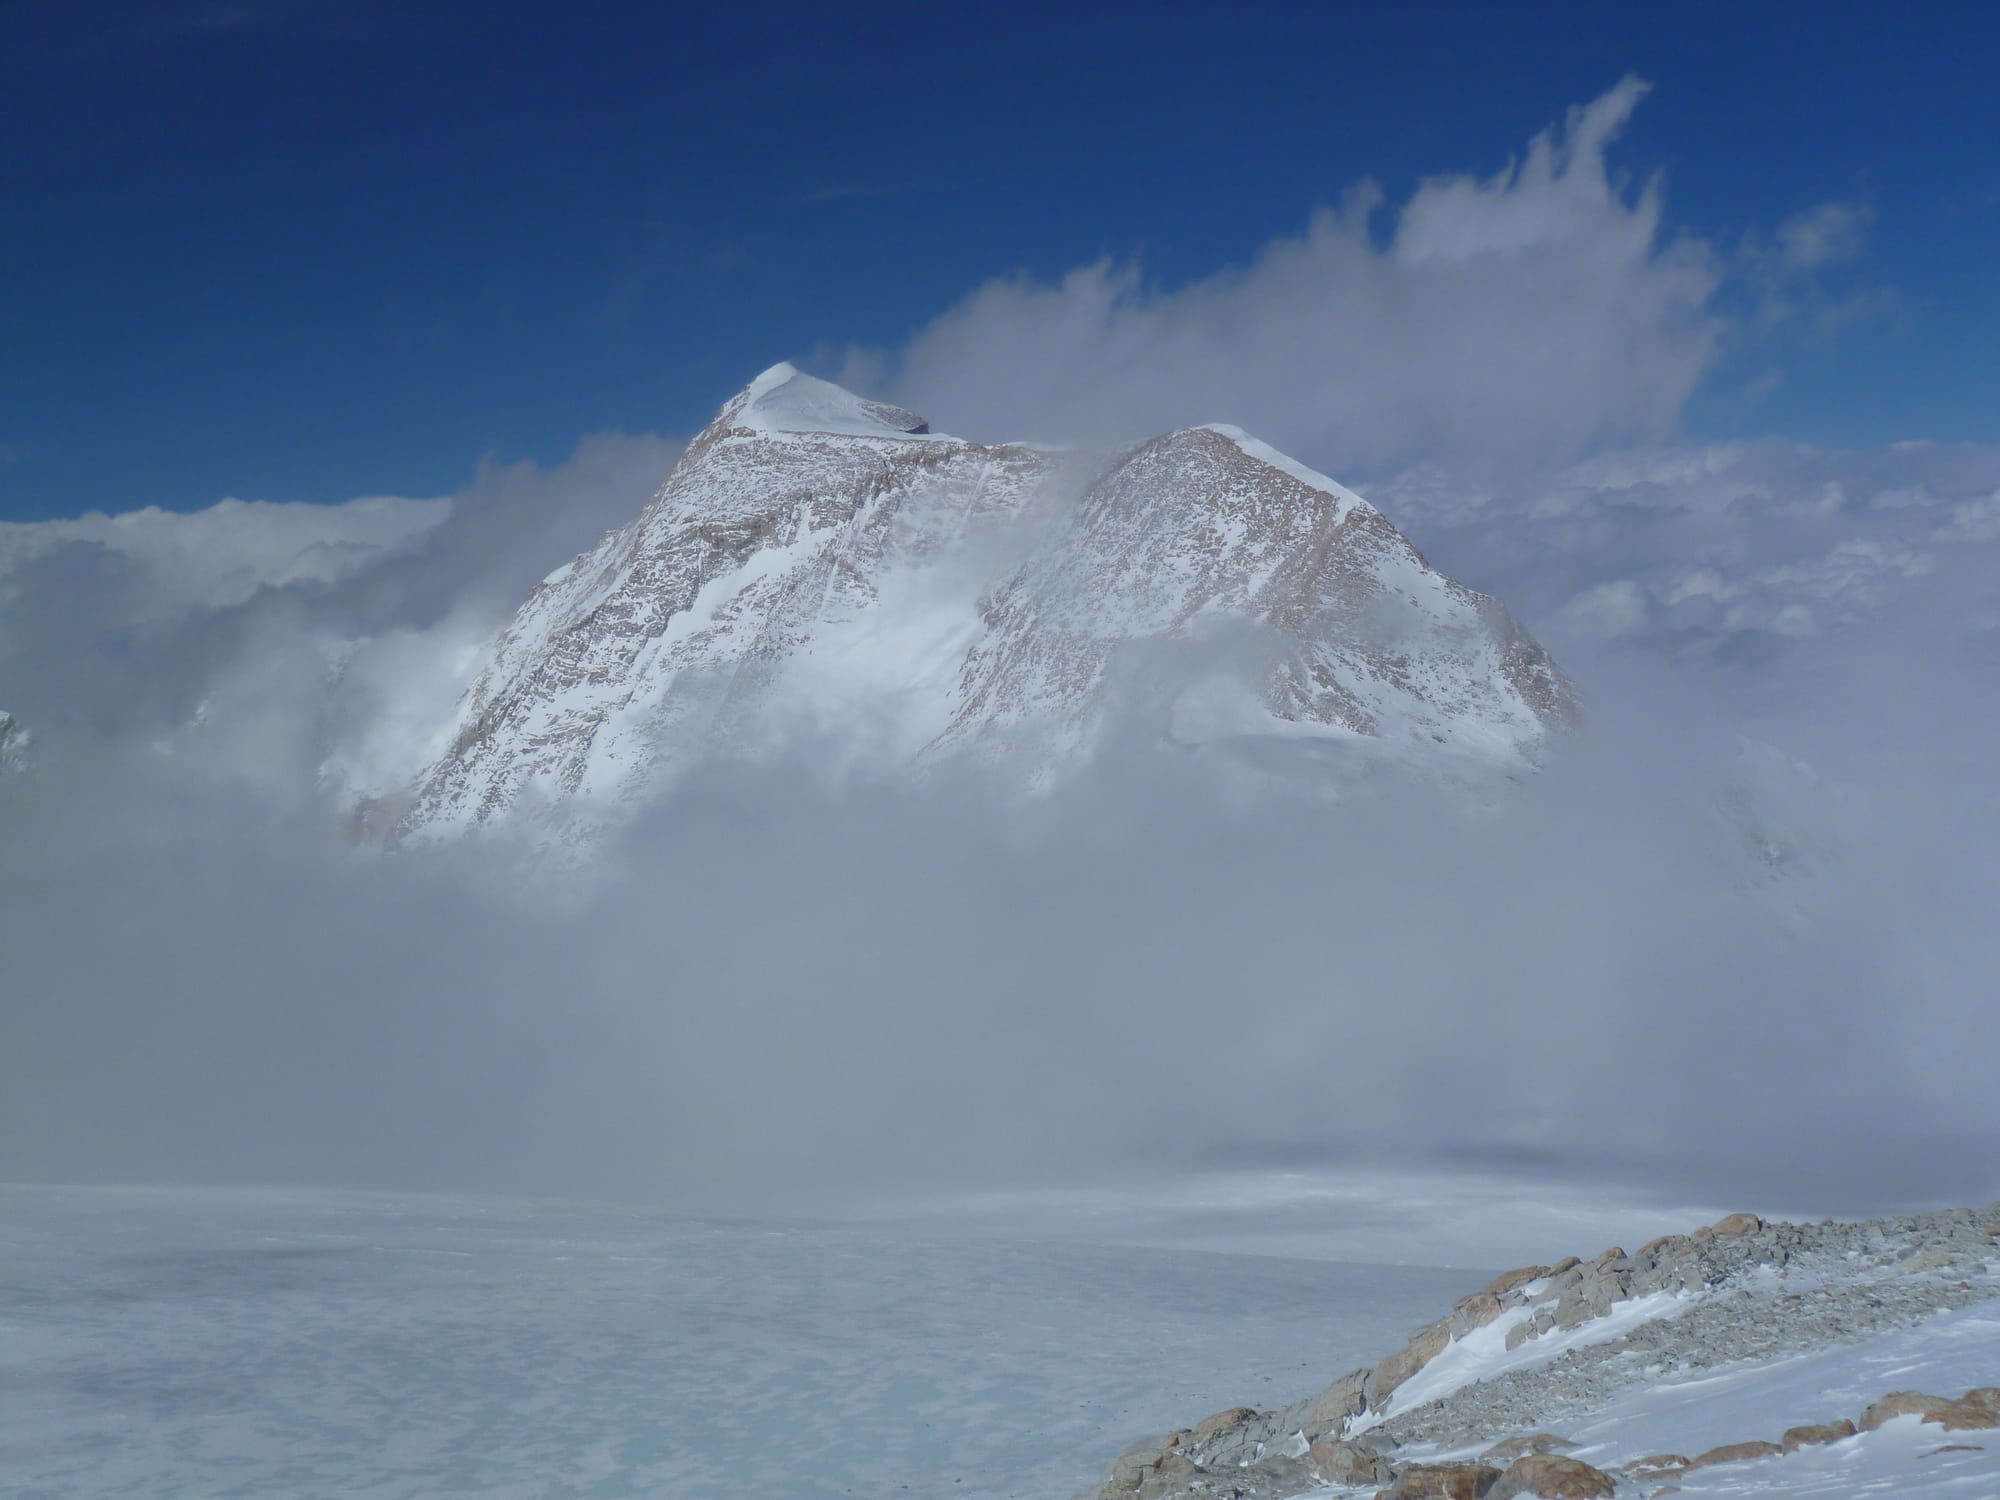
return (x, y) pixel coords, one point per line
(310, 249)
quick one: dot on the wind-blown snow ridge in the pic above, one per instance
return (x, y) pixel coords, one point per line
(819, 565)
(785, 399)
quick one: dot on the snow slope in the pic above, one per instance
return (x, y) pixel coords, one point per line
(1950, 1353)
(1947, 1354)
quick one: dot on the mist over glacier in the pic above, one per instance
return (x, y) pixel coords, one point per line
(782, 984)
(1737, 934)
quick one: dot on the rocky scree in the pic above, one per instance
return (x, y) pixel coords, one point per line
(1743, 1291)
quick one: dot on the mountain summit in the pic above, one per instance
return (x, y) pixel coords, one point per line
(821, 569)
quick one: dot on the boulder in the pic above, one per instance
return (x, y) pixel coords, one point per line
(1509, 1449)
(1574, 1310)
(1208, 1427)
(1553, 1477)
(1734, 1453)
(1330, 1409)
(1965, 1414)
(1444, 1482)
(1508, 1281)
(1142, 1461)
(1814, 1433)
(1425, 1345)
(1738, 1224)
(1532, 1328)
(1475, 1311)
(1662, 1247)
(1902, 1404)
(1561, 1281)
(1348, 1463)
(1567, 1263)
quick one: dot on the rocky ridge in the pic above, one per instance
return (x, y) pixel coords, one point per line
(1738, 1291)
(818, 563)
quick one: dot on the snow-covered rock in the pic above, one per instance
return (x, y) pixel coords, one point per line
(820, 566)
(1706, 1338)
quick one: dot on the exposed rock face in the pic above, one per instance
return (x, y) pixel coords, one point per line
(1203, 587)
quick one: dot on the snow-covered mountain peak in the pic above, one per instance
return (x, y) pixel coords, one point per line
(784, 399)
(820, 568)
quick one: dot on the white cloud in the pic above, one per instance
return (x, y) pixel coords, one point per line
(1703, 551)
(275, 643)
(1823, 235)
(1514, 318)
(226, 553)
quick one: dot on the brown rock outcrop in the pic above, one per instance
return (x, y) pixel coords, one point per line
(1734, 1453)
(1550, 1476)
(1977, 1409)
(1812, 1434)
(1473, 1312)
(1425, 1345)
(1444, 1482)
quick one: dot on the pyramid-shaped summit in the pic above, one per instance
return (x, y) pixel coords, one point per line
(819, 567)
(786, 399)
